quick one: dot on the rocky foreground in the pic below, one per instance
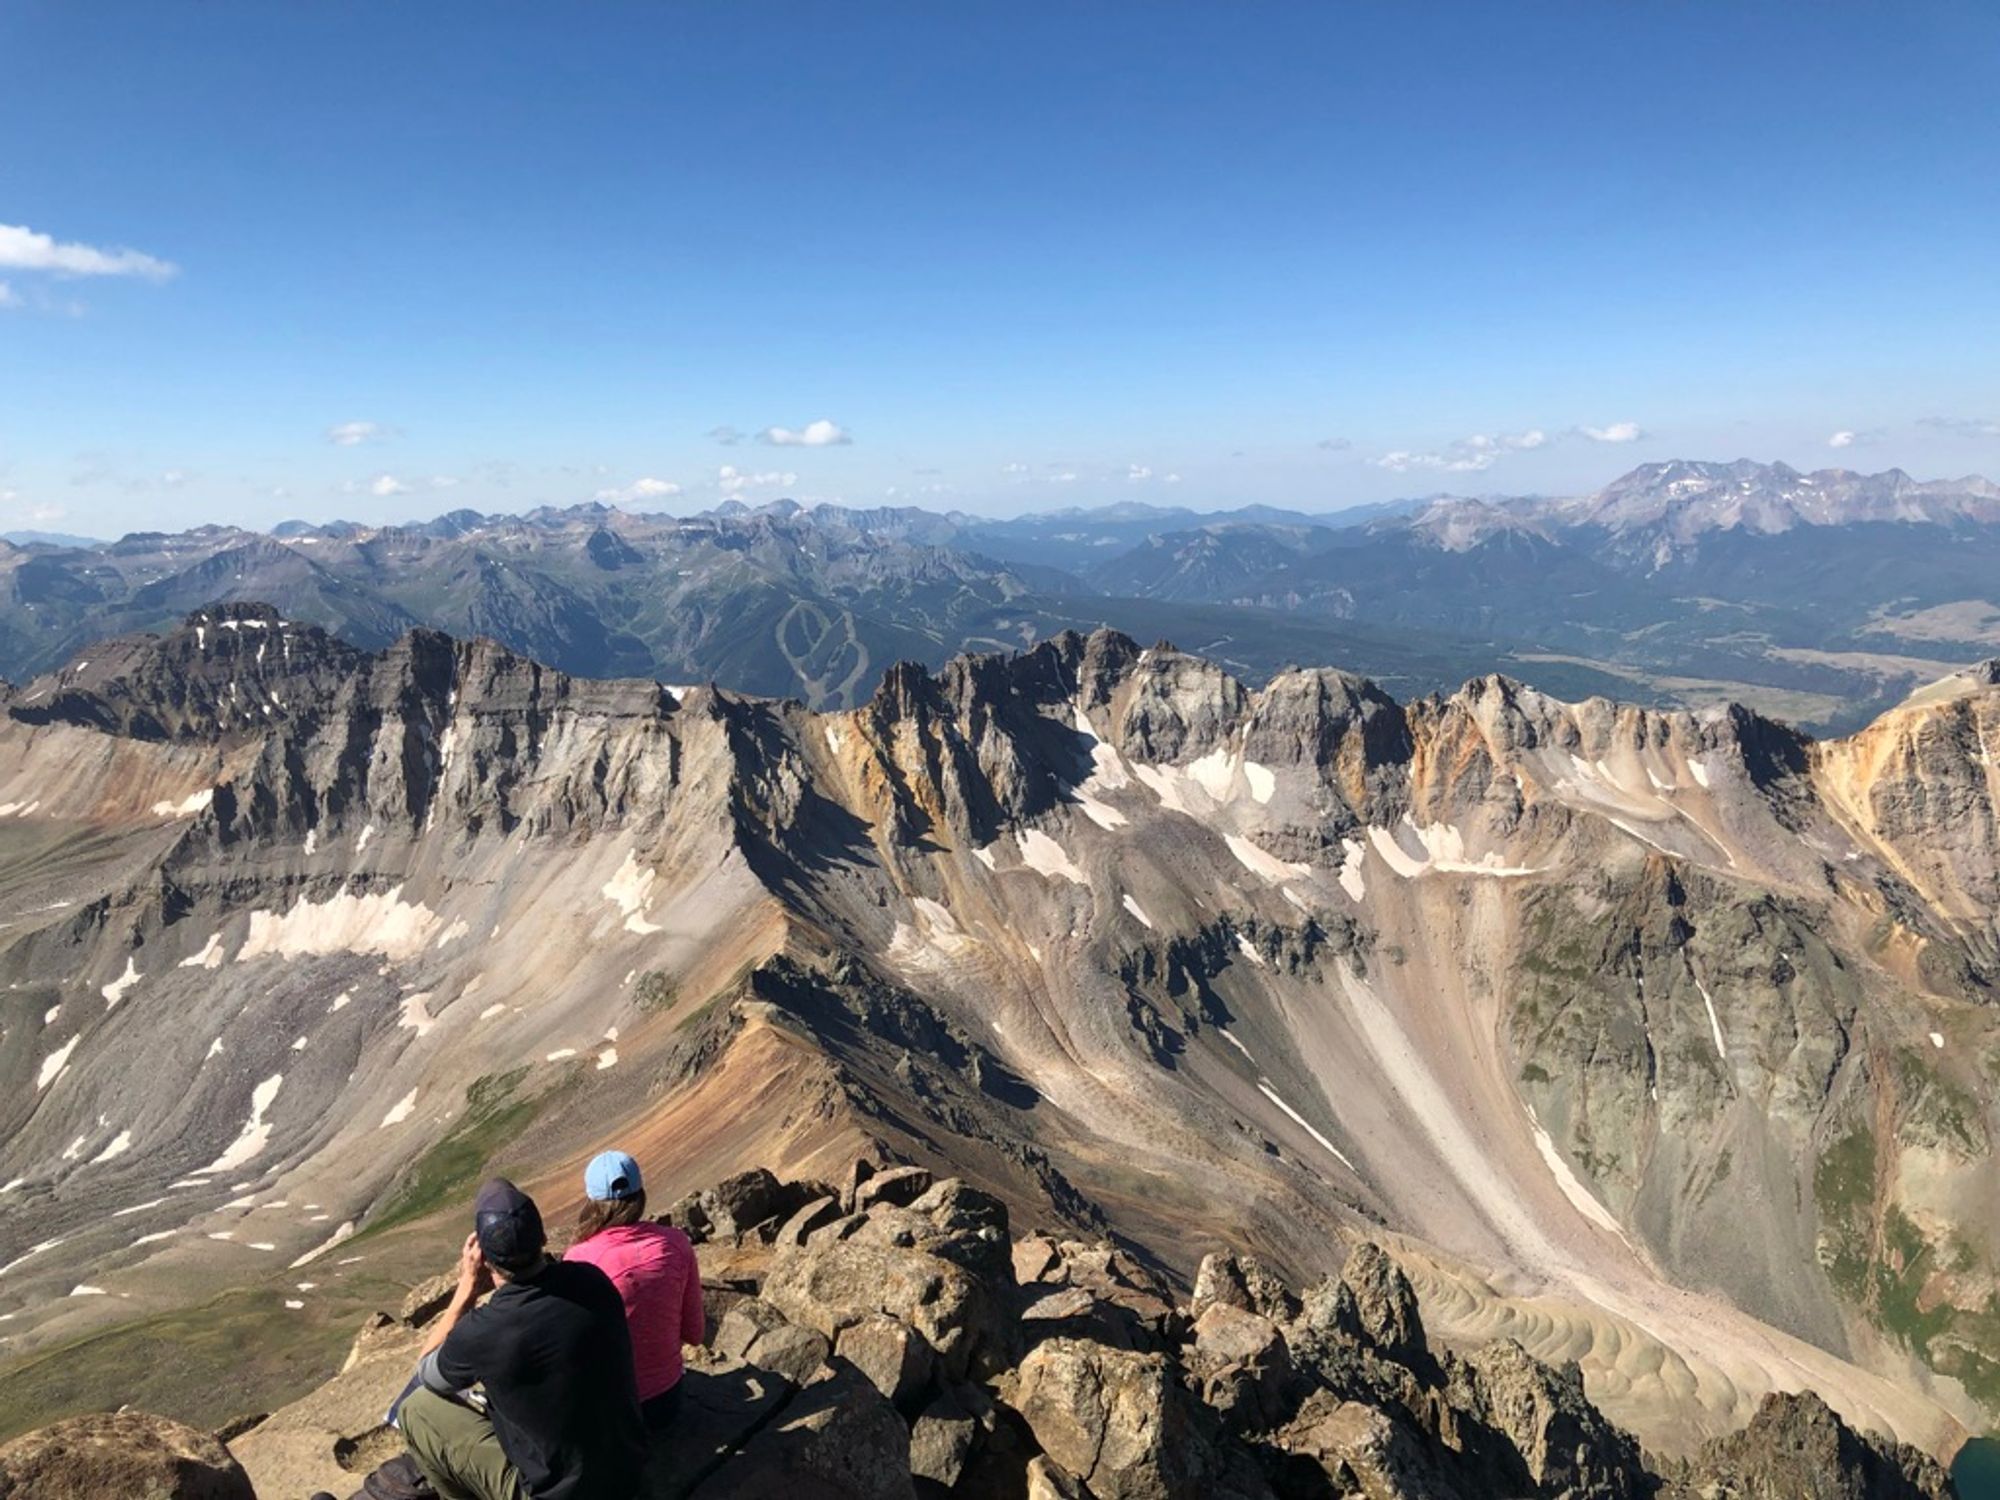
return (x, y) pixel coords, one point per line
(889, 1338)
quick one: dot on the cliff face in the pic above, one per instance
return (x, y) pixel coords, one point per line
(1665, 1037)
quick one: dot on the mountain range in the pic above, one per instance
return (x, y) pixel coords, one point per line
(1820, 597)
(1658, 1040)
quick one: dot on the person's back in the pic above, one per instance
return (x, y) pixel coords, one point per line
(554, 1355)
(560, 1419)
(653, 1267)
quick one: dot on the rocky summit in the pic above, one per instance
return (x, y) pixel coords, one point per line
(1653, 1051)
(889, 1339)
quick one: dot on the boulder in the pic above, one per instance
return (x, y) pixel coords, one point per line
(758, 1334)
(942, 1440)
(1566, 1445)
(1050, 1481)
(1364, 1451)
(814, 1214)
(1244, 1368)
(1242, 1281)
(1385, 1306)
(428, 1298)
(898, 1187)
(1797, 1447)
(1116, 1419)
(837, 1439)
(829, 1285)
(1036, 1259)
(1329, 1307)
(125, 1455)
(897, 1360)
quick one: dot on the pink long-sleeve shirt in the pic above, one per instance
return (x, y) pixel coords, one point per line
(653, 1267)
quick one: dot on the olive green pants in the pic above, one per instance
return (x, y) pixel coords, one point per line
(457, 1449)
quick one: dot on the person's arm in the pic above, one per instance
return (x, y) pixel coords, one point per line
(694, 1321)
(473, 1280)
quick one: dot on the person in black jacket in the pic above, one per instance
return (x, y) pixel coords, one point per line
(552, 1351)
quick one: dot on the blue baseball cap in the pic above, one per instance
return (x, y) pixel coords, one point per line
(611, 1177)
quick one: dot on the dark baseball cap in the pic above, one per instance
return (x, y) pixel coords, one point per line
(509, 1225)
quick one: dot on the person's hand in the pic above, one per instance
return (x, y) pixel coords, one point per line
(473, 1276)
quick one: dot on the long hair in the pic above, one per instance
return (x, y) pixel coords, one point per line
(595, 1217)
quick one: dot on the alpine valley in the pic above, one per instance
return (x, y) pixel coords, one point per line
(1657, 1039)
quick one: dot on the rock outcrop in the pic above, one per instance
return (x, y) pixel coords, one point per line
(120, 1456)
(892, 1354)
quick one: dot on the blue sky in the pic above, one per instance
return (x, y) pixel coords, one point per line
(379, 261)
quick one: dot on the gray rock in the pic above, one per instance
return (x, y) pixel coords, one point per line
(897, 1359)
(1118, 1420)
(830, 1285)
(116, 1455)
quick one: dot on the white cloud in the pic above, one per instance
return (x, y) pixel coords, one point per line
(1138, 472)
(820, 434)
(8, 296)
(648, 488)
(354, 434)
(1470, 455)
(173, 479)
(1334, 445)
(1066, 476)
(384, 485)
(1171, 479)
(1841, 440)
(1617, 432)
(734, 481)
(24, 249)
(444, 481)
(1014, 469)
(726, 435)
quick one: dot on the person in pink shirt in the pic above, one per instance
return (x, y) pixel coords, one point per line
(653, 1267)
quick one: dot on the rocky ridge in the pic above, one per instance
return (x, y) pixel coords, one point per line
(1563, 992)
(888, 1337)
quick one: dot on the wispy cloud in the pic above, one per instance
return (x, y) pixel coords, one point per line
(8, 296)
(734, 481)
(648, 488)
(1470, 455)
(25, 249)
(1137, 472)
(1334, 445)
(384, 485)
(726, 435)
(173, 479)
(1964, 426)
(1015, 470)
(1617, 432)
(820, 434)
(1842, 439)
(354, 434)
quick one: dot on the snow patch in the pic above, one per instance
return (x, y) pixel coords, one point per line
(400, 1111)
(340, 1236)
(1263, 783)
(256, 1133)
(1714, 1022)
(1249, 950)
(561, 1054)
(88, 1291)
(1698, 770)
(607, 1058)
(985, 857)
(630, 890)
(340, 1002)
(1045, 856)
(120, 987)
(414, 1015)
(492, 1010)
(1264, 1088)
(120, 1144)
(137, 1208)
(1351, 882)
(312, 842)
(187, 807)
(210, 956)
(1261, 863)
(1134, 908)
(343, 923)
(1581, 1198)
(367, 833)
(1937, 1040)
(1214, 773)
(1443, 849)
(55, 1063)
